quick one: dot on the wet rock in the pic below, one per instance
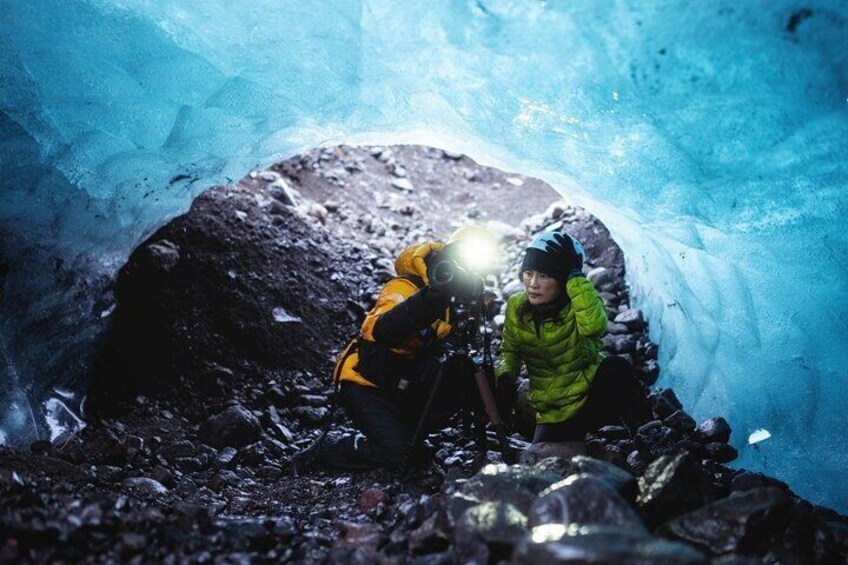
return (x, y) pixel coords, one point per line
(747, 480)
(227, 457)
(109, 473)
(656, 439)
(623, 482)
(177, 449)
(310, 414)
(145, 485)
(617, 329)
(632, 318)
(636, 462)
(517, 485)
(737, 523)
(670, 487)
(487, 532)
(680, 421)
(134, 445)
(665, 403)
(600, 276)
(560, 544)
(619, 343)
(235, 427)
(162, 475)
(583, 499)
(721, 452)
(714, 429)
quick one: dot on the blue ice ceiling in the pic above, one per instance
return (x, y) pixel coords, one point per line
(711, 137)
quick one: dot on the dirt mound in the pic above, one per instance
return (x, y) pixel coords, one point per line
(239, 286)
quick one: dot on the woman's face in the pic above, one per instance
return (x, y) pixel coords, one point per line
(540, 287)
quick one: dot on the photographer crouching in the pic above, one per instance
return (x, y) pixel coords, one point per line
(385, 375)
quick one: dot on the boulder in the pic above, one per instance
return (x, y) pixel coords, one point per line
(670, 487)
(680, 421)
(665, 402)
(487, 532)
(583, 499)
(517, 485)
(714, 429)
(559, 544)
(736, 523)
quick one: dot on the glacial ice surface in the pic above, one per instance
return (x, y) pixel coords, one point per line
(711, 137)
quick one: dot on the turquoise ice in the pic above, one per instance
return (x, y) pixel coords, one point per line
(711, 137)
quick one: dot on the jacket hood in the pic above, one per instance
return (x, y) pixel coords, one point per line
(411, 260)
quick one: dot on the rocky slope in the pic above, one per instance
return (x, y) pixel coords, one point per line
(215, 373)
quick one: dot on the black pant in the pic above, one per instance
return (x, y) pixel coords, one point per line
(615, 392)
(388, 420)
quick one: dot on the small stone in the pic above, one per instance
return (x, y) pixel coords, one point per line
(614, 328)
(134, 542)
(619, 343)
(403, 184)
(370, 499)
(235, 427)
(162, 475)
(145, 485)
(665, 403)
(632, 318)
(599, 276)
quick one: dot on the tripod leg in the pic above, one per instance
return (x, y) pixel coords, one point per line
(491, 408)
(418, 434)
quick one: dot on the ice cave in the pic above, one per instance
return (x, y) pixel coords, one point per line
(710, 137)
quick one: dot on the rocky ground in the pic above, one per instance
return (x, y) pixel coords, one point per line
(215, 373)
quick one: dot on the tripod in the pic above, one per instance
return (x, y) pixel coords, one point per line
(473, 358)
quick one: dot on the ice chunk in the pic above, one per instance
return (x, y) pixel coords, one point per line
(758, 435)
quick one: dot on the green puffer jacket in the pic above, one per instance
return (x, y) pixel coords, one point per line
(562, 358)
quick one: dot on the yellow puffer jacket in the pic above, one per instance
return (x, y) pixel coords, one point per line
(409, 263)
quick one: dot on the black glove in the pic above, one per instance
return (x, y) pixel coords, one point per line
(506, 397)
(413, 314)
(563, 246)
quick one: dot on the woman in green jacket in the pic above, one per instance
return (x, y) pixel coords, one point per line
(554, 329)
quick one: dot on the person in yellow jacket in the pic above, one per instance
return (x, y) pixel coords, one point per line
(383, 373)
(554, 329)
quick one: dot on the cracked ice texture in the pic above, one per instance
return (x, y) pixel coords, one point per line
(710, 137)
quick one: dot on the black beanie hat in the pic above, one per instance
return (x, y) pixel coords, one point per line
(539, 256)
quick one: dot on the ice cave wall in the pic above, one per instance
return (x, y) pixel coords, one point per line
(710, 137)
